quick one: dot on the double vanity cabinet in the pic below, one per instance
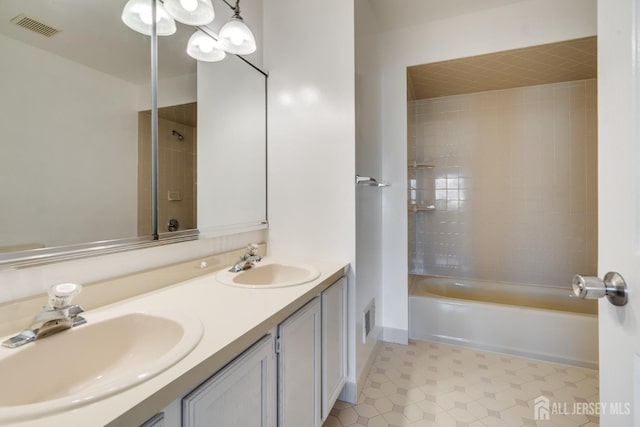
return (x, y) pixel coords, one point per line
(291, 377)
(264, 347)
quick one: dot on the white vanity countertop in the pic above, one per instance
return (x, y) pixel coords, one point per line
(233, 318)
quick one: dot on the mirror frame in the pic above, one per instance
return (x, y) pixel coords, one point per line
(43, 256)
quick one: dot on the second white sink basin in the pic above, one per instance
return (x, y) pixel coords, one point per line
(92, 361)
(270, 273)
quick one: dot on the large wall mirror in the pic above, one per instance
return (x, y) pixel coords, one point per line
(75, 115)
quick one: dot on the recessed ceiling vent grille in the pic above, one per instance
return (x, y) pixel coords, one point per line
(35, 25)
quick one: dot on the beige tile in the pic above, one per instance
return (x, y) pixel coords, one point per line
(494, 421)
(518, 415)
(430, 407)
(501, 401)
(388, 388)
(414, 395)
(341, 405)
(569, 420)
(366, 410)
(573, 394)
(378, 421)
(536, 388)
(378, 377)
(501, 395)
(424, 423)
(398, 399)
(396, 418)
(374, 393)
(462, 415)
(445, 420)
(413, 412)
(478, 411)
(332, 422)
(383, 405)
(348, 416)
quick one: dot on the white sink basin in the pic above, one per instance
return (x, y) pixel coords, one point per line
(270, 274)
(92, 361)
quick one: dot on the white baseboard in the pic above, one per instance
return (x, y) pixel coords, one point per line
(349, 393)
(351, 390)
(396, 336)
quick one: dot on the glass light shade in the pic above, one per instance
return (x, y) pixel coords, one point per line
(137, 16)
(191, 12)
(237, 38)
(204, 48)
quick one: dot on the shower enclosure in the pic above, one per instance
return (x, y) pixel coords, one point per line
(503, 180)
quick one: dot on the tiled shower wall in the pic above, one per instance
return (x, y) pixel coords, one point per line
(176, 174)
(514, 184)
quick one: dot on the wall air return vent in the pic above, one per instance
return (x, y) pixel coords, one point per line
(35, 25)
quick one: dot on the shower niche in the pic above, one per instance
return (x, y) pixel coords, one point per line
(421, 187)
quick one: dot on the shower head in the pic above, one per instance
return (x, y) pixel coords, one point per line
(177, 135)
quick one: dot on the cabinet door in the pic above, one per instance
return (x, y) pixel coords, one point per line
(240, 395)
(299, 368)
(334, 343)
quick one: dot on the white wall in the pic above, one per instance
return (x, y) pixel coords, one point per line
(309, 53)
(522, 24)
(171, 91)
(64, 128)
(368, 163)
(231, 144)
(26, 282)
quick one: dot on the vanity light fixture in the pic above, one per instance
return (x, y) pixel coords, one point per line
(191, 12)
(235, 35)
(137, 16)
(205, 48)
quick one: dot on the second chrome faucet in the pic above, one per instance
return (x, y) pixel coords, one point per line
(248, 260)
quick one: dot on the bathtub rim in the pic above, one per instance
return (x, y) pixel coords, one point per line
(412, 285)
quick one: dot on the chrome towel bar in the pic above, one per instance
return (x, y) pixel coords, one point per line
(368, 180)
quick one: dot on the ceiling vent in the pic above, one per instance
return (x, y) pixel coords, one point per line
(35, 25)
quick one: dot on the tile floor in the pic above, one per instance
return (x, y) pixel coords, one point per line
(428, 384)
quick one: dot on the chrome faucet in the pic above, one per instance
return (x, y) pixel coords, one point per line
(247, 260)
(57, 316)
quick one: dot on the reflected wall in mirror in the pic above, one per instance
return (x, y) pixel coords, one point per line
(72, 114)
(232, 156)
(230, 137)
(69, 119)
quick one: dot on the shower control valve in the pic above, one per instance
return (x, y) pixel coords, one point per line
(612, 286)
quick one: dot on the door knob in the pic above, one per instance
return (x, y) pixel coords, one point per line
(612, 286)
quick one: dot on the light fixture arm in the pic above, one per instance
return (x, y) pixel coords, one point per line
(207, 31)
(236, 8)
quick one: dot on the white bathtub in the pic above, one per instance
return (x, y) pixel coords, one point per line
(540, 322)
